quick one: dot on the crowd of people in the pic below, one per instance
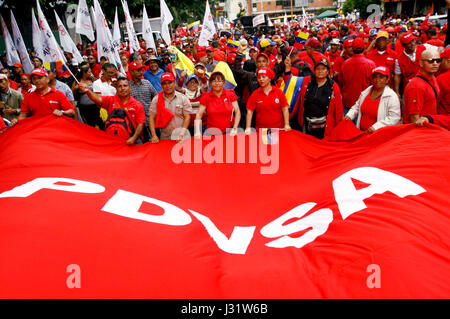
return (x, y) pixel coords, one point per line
(305, 78)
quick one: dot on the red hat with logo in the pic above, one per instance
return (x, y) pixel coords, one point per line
(348, 43)
(382, 70)
(209, 48)
(167, 77)
(265, 71)
(231, 58)
(135, 66)
(313, 43)
(18, 65)
(39, 72)
(407, 38)
(200, 54)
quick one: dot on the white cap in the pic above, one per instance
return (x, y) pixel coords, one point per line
(3, 76)
(335, 41)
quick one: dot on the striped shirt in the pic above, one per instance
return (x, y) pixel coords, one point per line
(144, 93)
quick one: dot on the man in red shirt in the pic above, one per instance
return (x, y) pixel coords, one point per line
(335, 58)
(312, 55)
(444, 83)
(356, 74)
(122, 100)
(422, 92)
(45, 99)
(347, 52)
(381, 55)
(96, 68)
(407, 63)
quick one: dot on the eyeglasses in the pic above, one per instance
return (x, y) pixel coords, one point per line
(431, 61)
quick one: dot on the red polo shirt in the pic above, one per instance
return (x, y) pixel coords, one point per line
(444, 98)
(96, 69)
(268, 107)
(219, 109)
(41, 105)
(355, 77)
(133, 107)
(420, 98)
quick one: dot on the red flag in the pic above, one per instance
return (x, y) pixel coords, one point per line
(367, 218)
(425, 21)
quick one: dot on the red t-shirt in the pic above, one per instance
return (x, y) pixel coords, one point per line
(369, 112)
(444, 97)
(420, 98)
(13, 85)
(133, 107)
(268, 107)
(219, 109)
(41, 105)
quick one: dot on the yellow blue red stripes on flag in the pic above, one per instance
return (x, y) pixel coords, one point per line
(180, 62)
(301, 37)
(194, 25)
(291, 90)
(233, 44)
(223, 67)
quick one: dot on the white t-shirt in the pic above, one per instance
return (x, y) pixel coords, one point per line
(103, 88)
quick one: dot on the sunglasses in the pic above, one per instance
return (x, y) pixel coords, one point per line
(431, 61)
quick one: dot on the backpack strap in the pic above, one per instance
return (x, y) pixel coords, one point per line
(423, 78)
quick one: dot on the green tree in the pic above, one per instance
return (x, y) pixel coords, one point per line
(359, 5)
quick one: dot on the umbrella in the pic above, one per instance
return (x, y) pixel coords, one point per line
(327, 14)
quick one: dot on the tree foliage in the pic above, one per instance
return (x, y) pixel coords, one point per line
(359, 5)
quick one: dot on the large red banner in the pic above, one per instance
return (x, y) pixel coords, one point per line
(82, 215)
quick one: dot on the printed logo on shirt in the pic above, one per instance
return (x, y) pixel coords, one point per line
(54, 102)
(277, 100)
(225, 100)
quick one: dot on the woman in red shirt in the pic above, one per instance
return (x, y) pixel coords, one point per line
(272, 109)
(219, 104)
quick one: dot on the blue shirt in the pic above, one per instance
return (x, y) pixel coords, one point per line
(155, 79)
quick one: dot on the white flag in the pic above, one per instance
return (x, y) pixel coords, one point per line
(134, 43)
(11, 52)
(269, 23)
(105, 45)
(259, 19)
(51, 50)
(20, 45)
(166, 19)
(116, 31)
(147, 33)
(83, 23)
(66, 41)
(93, 15)
(208, 28)
(37, 37)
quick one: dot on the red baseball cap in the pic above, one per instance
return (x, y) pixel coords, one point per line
(267, 72)
(313, 43)
(167, 77)
(209, 48)
(264, 55)
(18, 65)
(358, 44)
(446, 53)
(407, 38)
(134, 66)
(348, 43)
(39, 72)
(231, 58)
(382, 70)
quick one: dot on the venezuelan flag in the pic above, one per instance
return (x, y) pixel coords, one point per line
(223, 67)
(233, 44)
(181, 63)
(301, 37)
(194, 26)
(58, 67)
(291, 90)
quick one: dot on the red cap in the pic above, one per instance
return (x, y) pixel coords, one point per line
(382, 70)
(358, 44)
(167, 77)
(264, 55)
(134, 66)
(446, 53)
(313, 43)
(200, 54)
(407, 38)
(18, 65)
(348, 43)
(267, 72)
(231, 58)
(39, 72)
(209, 48)
(142, 51)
